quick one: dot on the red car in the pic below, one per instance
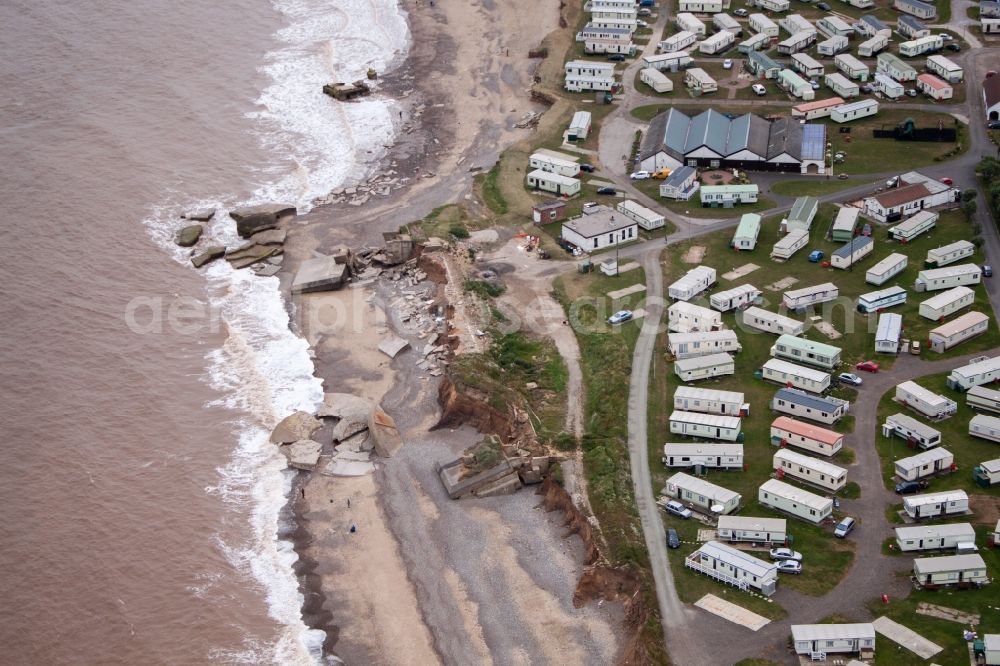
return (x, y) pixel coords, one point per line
(867, 366)
(948, 181)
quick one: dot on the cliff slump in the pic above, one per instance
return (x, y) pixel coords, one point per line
(470, 407)
(555, 498)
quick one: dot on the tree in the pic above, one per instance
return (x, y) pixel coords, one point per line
(969, 208)
(969, 194)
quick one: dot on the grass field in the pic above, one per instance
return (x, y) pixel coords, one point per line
(814, 187)
(693, 207)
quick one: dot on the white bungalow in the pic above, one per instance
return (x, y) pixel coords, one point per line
(915, 433)
(852, 252)
(678, 41)
(786, 431)
(706, 426)
(734, 567)
(701, 494)
(789, 244)
(810, 352)
(553, 182)
(686, 21)
(958, 330)
(934, 537)
(761, 23)
(841, 85)
(907, 230)
(981, 398)
(936, 279)
(949, 254)
(554, 162)
(983, 370)
(928, 403)
(644, 217)
(985, 427)
(932, 505)
(798, 376)
(692, 283)
(747, 232)
(873, 45)
(700, 82)
(717, 42)
(945, 68)
(684, 317)
(936, 308)
(600, 229)
(883, 298)
(817, 640)
(809, 470)
(796, 299)
(832, 46)
(735, 298)
(886, 269)
(852, 67)
(709, 401)
(824, 409)
(656, 80)
(961, 570)
(704, 367)
(709, 456)
(925, 463)
(890, 328)
(753, 529)
(689, 345)
(786, 498)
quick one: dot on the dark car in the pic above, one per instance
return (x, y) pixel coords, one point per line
(954, 47)
(866, 88)
(993, 124)
(910, 487)
(987, 270)
(822, 5)
(617, 57)
(589, 168)
(673, 541)
(607, 190)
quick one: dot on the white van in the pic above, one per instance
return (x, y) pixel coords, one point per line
(844, 527)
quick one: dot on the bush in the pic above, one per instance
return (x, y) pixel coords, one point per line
(483, 288)
(458, 231)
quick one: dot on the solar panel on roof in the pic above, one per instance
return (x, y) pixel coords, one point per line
(813, 141)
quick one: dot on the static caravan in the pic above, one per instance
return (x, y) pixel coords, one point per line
(925, 463)
(833, 26)
(690, 345)
(801, 215)
(810, 352)
(704, 367)
(852, 252)
(646, 218)
(923, 10)
(821, 639)
(796, 299)
(910, 28)
(758, 42)
(734, 567)
(717, 43)
(735, 298)
(706, 426)
(960, 570)
(807, 65)
(585, 75)
(816, 408)
(553, 182)
(728, 23)
(890, 65)
(681, 184)
(656, 80)
(688, 22)
(881, 299)
(683, 317)
(920, 46)
(832, 46)
(678, 42)
(870, 47)
(786, 431)
(798, 376)
(931, 505)
(709, 401)
(935, 279)
(959, 330)
(794, 23)
(845, 224)
(915, 433)
(579, 127)
(763, 25)
(987, 474)
(934, 537)
(983, 370)
(668, 62)
(554, 162)
(936, 308)
(852, 67)
(820, 108)
(945, 69)
(886, 269)
(981, 398)
(888, 86)
(753, 529)
(949, 254)
(928, 403)
(727, 196)
(890, 327)
(809, 470)
(841, 85)
(701, 6)
(773, 5)
(762, 65)
(869, 26)
(771, 322)
(747, 232)
(800, 41)
(709, 456)
(985, 427)
(702, 494)
(692, 283)
(789, 244)
(700, 83)
(906, 231)
(934, 87)
(786, 498)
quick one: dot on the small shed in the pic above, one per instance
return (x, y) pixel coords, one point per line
(548, 211)
(925, 463)
(700, 493)
(960, 570)
(934, 537)
(796, 502)
(753, 529)
(704, 367)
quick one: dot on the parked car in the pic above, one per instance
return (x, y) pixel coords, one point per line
(661, 174)
(993, 124)
(727, 63)
(987, 270)
(866, 89)
(760, 90)
(617, 57)
(947, 181)
(740, 12)
(824, 6)
(815, 84)
(844, 527)
(645, 11)
(589, 168)
(842, 176)
(678, 509)
(607, 190)
(915, 347)
(867, 366)
(785, 554)
(953, 47)
(673, 541)
(945, 37)
(850, 378)
(892, 182)
(640, 175)
(910, 487)
(816, 256)
(866, 230)
(789, 567)
(641, 23)
(620, 317)
(911, 92)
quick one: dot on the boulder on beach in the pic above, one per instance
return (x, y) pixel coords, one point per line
(251, 253)
(295, 427)
(189, 235)
(319, 274)
(303, 454)
(348, 428)
(254, 219)
(270, 237)
(385, 433)
(361, 442)
(199, 215)
(347, 468)
(273, 209)
(345, 406)
(209, 254)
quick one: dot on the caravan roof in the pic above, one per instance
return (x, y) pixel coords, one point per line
(702, 487)
(968, 320)
(923, 458)
(931, 565)
(914, 425)
(803, 497)
(737, 558)
(807, 430)
(821, 466)
(946, 297)
(980, 367)
(752, 523)
(694, 393)
(787, 368)
(942, 497)
(924, 531)
(711, 420)
(890, 325)
(800, 397)
(689, 364)
(832, 632)
(854, 245)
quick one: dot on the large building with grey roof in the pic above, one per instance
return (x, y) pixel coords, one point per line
(714, 140)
